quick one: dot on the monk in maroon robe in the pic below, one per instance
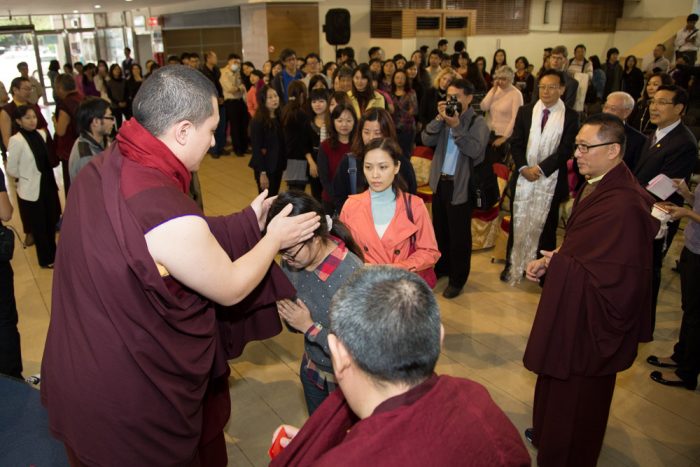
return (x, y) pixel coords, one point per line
(391, 409)
(134, 370)
(595, 305)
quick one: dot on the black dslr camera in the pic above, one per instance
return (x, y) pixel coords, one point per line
(453, 106)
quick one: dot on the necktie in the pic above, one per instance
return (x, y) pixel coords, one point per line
(653, 141)
(545, 117)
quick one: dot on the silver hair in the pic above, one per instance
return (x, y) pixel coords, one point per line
(627, 100)
(504, 72)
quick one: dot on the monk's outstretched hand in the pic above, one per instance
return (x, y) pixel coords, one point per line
(292, 230)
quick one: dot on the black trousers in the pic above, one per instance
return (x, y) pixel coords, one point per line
(237, 116)
(548, 237)
(452, 224)
(660, 249)
(275, 179)
(43, 214)
(686, 352)
(10, 350)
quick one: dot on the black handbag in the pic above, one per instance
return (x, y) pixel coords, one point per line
(7, 243)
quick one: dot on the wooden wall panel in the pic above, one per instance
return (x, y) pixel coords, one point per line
(294, 26)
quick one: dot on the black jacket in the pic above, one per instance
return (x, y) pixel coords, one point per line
(675, 156)
(518, 146)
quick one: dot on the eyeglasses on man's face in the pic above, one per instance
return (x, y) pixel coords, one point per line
(657, 102)
(584, 148)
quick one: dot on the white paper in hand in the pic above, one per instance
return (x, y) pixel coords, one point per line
(661, 186)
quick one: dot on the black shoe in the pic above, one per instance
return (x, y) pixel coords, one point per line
(654, 360)
(504, 274)
(659, 378)
(529, 433)
(214, 156)
(451, 291)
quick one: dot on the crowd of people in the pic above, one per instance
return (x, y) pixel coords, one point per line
(348, 131)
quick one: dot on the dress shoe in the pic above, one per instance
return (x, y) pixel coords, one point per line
(529, 433)
(654, 360)
(658, 377)
(504, 275)
(451, 291)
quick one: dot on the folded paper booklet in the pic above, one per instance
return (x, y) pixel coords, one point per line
(661, 186)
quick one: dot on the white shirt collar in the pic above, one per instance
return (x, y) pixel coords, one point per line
(661, 132)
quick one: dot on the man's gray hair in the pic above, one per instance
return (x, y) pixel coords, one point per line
(389, 321)
(627, 100)
(172, 94)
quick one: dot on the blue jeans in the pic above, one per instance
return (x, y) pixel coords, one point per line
(312, 393)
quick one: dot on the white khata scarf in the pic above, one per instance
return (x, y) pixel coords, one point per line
(533, 199)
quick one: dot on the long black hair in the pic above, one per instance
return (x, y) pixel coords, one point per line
(303, 203)
(333, 136)
(262, 114)
(391, 147)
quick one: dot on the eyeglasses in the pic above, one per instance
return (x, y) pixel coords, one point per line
(584, 148)
(659, 102)
(548, 87)
(287, 254)
(108, 117)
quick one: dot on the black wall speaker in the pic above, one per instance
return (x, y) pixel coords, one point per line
(337, 27)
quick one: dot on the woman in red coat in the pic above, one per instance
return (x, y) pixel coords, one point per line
(391, 226)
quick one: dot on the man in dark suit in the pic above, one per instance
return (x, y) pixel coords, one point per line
(558, 61)
(551, 90)
(621, 105)
(671, 150)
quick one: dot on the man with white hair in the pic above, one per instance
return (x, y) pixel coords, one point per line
(621, 105)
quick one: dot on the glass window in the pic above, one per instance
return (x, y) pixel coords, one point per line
(47, 22)
(87, 21)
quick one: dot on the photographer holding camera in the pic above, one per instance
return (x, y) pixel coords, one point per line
(460, 137)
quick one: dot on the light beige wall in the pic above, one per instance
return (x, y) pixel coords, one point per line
(254, 33)
(658, 8)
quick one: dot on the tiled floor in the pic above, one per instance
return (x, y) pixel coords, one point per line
(486, 332)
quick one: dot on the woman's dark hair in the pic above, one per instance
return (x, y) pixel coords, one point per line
(111, 72)
(262, 113)
(482, 60)
(102, 62)
(318, 95)
(258, 73)
(337, 112)
(317, 79)
(135, 65)
(633, 58)
(665, 78)
(391, 147)
(459, 46)
(327, 66)
(54, 65)
(494, 65)
(383, 75)
(525, 61)
(595, 62)
(90, 108)
(406, 86)
(303, 203)
(365, 96)
(340, 97)
(296, 99)
(22, 110)
(386, 125)
(612, 51)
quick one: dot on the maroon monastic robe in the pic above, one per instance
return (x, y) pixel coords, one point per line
(596, 303)
(135, 364)
(594, 310)
(443, 421)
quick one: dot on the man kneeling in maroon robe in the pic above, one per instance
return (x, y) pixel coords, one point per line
(596, 302)
(134, 368)
(391, 408)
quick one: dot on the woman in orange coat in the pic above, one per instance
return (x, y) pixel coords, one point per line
(391, 226)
